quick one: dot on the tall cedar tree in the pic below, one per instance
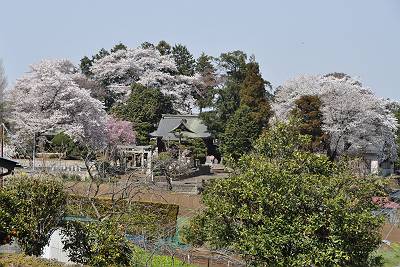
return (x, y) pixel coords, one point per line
(184, 60)
(86, 64)
(253, 94)
(206, 70)
(228, 97)
(163, 47)
(307, 109)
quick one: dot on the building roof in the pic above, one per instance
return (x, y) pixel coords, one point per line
(171, 126)
(8, 163)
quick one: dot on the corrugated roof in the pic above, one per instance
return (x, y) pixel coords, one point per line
(190, 126)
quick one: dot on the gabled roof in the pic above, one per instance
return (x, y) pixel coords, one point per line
(190, 126)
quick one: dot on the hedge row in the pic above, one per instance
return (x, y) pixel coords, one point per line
(140, 218)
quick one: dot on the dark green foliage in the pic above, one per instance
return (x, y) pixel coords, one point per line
(144, 108)
(85, 66)
(184, 60)
(147, 45)
(197, 148)
(102, 53)
(289, 207)
(204, 64)
(228, 97)
(253, 95)
(228, 100)
(205, 94)
(7, 210)
(282, 141)
(215, 125)
(103, 244)
(234, 63)
(97, 243)
(240, 133)
(308, 111)
(62, 143)
(158, 217)
(39, 207)
(227, 103)
(86, 62)
(117, 47)
(164, 48)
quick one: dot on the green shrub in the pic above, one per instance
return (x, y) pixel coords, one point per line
(39, 205)
(152, 219)
(20, 260)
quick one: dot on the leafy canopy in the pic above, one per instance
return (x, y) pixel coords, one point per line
(240, 133)
(285, 206)
(38, 205)
(144, 108)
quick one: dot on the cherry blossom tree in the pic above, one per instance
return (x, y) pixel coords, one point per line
(3, 85)
(49, 99)
(146, 66)
(120, 132)
(355, 120)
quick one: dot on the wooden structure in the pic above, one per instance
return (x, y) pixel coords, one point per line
(180, 128)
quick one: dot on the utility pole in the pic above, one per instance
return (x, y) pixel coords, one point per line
(2, 139)
(2, 150)
(33, 152)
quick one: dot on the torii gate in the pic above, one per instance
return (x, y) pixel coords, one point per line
(141, 157)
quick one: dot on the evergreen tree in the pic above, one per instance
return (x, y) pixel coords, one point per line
(86, 62)
(164, 48)
(147, 45)
(234, 64)
(283, 206)
(240, 133)
(144, 109)
(228, 97)
(205, 68)
(117, 47)
(102, 53)
(184, 60)
(253, 94)
(307, 109)
(85, 65)
(204, 64)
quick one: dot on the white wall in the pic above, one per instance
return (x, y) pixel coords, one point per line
(55, 249)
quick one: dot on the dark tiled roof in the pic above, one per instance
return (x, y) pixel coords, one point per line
(189, 125)
(8, 163)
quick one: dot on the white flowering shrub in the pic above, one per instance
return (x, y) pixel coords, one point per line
(354, 118)
(48, 99)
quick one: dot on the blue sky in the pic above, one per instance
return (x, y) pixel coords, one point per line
(288, 38)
